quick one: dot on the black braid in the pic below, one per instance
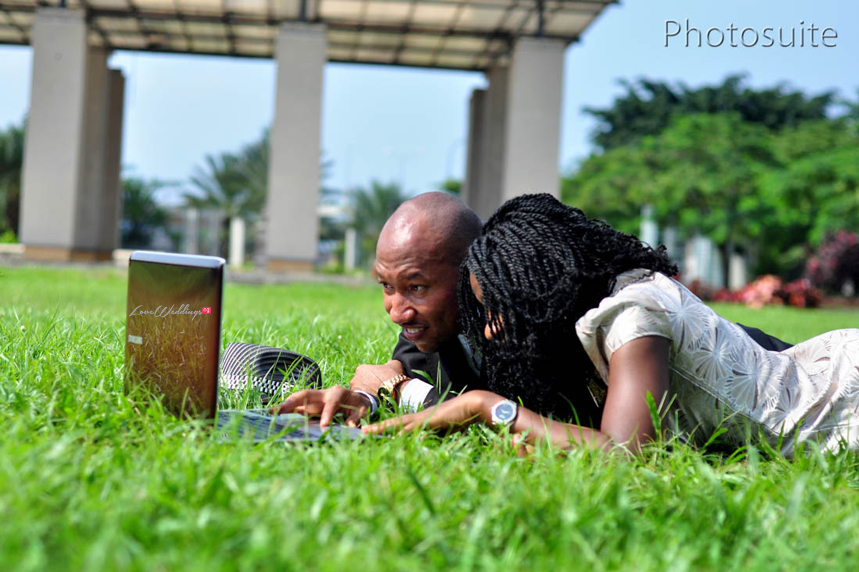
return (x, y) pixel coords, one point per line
(541, 265)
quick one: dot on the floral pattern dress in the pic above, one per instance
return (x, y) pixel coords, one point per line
(721, 378)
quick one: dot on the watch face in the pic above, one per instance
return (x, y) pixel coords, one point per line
(505, 411)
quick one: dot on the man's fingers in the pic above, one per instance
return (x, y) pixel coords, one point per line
(333, 402)
(296, 399)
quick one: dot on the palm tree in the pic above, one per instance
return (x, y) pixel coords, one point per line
(253, 168)
(11, 162)
(222, 184)
(371, 208)
(142, 215)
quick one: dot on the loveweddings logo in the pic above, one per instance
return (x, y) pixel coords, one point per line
(164, 311)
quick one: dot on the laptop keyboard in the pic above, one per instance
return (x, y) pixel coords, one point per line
(259, 425)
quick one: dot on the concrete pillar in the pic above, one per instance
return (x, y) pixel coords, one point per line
(533, 120)
(352, 246)
(66, 153)
(671, 240)
(213, 231)
(112, 187)
(191, 243)
(649, 233)
(738, 271)
(292, 232)
(237, 242)
(474, 146)
(486, 130)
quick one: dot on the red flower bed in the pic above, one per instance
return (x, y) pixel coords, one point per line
(767, 290)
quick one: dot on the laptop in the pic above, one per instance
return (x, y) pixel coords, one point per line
(173, 343)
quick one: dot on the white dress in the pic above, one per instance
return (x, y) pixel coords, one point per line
(721, 378)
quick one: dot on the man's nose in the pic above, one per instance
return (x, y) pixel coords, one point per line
(402, 310)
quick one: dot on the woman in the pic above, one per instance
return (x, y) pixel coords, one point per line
(557, 300)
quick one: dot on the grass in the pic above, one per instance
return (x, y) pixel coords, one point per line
(87, 483)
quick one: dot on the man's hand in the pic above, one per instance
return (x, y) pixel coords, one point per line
(326, 403)
(369, 378)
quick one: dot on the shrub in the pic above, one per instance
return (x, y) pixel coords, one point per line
(767, 290)
(835, 264)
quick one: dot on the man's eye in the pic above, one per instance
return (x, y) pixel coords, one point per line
(385, 285)
(418, 288)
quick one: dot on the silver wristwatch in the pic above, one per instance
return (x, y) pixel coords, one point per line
(504, 413)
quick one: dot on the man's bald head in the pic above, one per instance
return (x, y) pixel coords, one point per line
(439, 223)
(417, 263)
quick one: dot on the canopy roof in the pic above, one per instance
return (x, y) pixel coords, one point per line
(453, 34)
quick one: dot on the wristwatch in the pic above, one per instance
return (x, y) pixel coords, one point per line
(503, 413)
(390, 385)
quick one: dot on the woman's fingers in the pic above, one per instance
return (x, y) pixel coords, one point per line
(355, 415)
(403, 423)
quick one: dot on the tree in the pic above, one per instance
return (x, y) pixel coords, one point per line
(815, 192)
(452, 186)
(11, 163)
(610, 186)
(371, 208)
(775, 194)
(141, 213)
(699, 174)
(224, 184)
(647, 108)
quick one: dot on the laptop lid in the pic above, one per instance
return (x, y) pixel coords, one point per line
(173, 330)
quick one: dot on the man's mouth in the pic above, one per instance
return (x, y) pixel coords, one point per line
(414, 332)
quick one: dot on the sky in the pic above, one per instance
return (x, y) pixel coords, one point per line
(409, 126)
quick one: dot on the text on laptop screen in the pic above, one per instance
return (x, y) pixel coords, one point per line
(173, 334)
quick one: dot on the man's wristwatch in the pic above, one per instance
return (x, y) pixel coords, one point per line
(503, 413)
(390, 386)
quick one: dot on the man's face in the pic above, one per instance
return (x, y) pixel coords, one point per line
(419, 285)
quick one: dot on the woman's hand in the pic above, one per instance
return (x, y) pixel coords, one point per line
(452, 415)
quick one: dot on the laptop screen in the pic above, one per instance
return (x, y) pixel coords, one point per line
(173, 330)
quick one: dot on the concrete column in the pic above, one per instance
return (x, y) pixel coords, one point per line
(474, 146)
(237, 242)
(671, 240)
(649, 233)
(352, 246)
(112, 187)
(88, 222)
(533, 124)
(486, 144)
(738, 271)
(191, 242)
(292, 231)
(53, 152)
(213, 231)
(68, 164)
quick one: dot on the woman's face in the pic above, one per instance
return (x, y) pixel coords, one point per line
(488, 330)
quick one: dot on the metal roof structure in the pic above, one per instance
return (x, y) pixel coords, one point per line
(450, 34)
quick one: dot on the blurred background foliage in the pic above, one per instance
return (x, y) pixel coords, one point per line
(772, 172)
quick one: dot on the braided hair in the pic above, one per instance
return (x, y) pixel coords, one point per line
(541, 265)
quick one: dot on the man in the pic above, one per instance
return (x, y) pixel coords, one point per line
(418, 256)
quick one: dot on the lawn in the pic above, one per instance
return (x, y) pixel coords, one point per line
(88, 483)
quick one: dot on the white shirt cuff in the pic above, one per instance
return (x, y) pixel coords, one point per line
(413, 395)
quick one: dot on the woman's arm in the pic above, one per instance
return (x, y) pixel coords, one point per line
(636, 368)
